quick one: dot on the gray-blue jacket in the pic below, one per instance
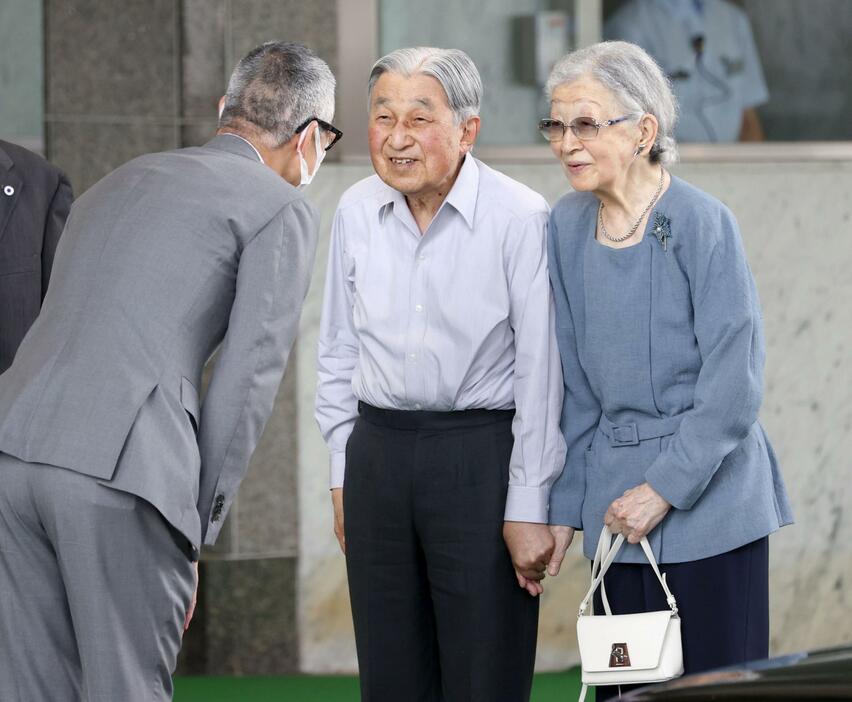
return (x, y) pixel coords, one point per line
(662, 354)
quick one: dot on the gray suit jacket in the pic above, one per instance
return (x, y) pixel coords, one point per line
(34, 200)
(161, 261)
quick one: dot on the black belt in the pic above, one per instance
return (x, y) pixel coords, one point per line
(429, 419)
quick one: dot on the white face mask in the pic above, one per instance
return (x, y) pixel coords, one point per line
(307, 176)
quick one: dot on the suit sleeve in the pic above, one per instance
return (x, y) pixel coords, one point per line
(729, 388)
(581, 410)
(272, 281)
(54, 223)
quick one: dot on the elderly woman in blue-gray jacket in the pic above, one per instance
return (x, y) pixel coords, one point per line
(662, 351)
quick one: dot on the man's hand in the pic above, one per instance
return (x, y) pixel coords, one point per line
(337, 503)
(636, 512)
(562, 537)
(192, 603)
(530, 546)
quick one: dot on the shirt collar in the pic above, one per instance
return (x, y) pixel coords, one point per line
(462, 196)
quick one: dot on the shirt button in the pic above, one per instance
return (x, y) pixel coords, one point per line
(417, 405)
(9, 190)
(412, 356)
(421, 257)
(418, 308)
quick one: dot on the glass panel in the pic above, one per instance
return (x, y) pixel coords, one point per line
(778, 70)
(21, 84)
(514, 43)
(748, 70)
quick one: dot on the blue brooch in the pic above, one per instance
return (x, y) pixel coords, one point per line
(662, 229)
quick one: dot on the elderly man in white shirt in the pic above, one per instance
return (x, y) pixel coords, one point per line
(439, 396)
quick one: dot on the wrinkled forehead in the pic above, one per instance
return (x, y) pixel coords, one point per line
(417, 91)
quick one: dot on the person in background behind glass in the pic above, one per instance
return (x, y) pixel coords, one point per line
(707, 49)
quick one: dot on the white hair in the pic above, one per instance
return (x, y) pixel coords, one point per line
(636, 81)
(275, 88)
(452, 68)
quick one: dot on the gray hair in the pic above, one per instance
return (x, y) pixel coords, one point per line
(275, 88)
(636, 81)
(452, 68)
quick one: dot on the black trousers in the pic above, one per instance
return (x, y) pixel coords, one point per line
(438, 613)
(723, 603)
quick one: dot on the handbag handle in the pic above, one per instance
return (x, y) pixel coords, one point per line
(605, 554)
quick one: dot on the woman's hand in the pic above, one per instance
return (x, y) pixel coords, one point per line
(562, 536)
(636, 512)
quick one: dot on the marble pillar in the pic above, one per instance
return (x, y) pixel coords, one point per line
(112, 83)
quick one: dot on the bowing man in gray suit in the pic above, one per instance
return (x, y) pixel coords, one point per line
(112, 475)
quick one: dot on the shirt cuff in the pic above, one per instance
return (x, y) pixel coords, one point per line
(337, 469)
(527, 504)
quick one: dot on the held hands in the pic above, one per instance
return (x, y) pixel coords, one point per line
(337, 503)
(636, 512)
(531, 548)
(562, 536)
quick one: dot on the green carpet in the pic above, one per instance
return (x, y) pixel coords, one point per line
(548, 687)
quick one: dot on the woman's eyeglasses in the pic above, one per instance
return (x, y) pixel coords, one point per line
(329, 133)
(584, 128)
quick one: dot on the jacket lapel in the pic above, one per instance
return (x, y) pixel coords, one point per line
(10, 190)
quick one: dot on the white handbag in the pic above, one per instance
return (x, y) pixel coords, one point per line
(626, 649)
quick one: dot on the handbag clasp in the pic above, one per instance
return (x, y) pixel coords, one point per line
(619, 656)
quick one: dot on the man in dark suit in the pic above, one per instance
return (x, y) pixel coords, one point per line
(35, 197)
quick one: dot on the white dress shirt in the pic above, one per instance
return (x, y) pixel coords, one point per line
(460, 317)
